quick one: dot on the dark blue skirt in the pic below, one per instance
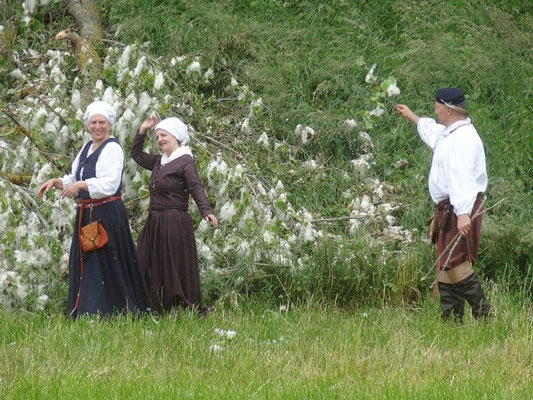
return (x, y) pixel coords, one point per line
(111, 282)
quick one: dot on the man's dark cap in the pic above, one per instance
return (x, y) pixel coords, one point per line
(450, 95)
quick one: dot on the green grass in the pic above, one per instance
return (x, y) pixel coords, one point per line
(305, 352)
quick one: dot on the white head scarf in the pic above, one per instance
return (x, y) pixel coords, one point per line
(100, 108)
(176, 128)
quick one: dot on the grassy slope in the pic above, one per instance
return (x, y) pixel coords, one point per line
(308, 61)
(303, 353)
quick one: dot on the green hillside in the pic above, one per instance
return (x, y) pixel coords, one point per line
(321, 188)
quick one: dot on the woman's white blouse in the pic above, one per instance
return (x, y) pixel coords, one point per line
(108, 171)
(458, 170)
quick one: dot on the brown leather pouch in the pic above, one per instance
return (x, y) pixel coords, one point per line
(93, 236)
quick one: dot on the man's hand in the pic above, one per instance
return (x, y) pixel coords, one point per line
(463, 224)
(406, 112)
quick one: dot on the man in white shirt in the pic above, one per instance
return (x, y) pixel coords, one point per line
(457, 181)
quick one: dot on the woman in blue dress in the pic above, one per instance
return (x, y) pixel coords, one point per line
(107, 280)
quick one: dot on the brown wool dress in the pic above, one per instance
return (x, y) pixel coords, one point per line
(166, 247)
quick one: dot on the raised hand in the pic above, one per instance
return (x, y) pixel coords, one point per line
(148, 123)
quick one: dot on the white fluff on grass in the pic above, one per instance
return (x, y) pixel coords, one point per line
(109, 96)
(43, 174)
(209, 74)
(370, 75)
(215, 348)
(159, 81)
(39, 117)
(350, 123)
(17, 74)
(139, 67)
(310, 164)
(57, 76)
(194, 67)
(366, 141)
(263, 140)
(145, 101)
(29, 6)
(245, 127)
(123, 63)
(225, 334)
(362, 164)
(268, 237)
(227, 211)
(306, 133)
(393, 90)
(376, 112)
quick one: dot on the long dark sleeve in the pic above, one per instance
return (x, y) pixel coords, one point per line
(196, 189)
(145, 160)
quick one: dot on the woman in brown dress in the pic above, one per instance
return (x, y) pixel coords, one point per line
(166, 247)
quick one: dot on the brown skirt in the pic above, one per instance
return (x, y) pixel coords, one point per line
(467, 247)
(167, 255)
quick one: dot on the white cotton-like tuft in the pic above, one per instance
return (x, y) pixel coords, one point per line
(75, 99)
(123, 63)
(139, 67)
(268, 237)
(209, 74)
(109, 96)
(245, 127)
(393, 90)
(377, 112)
(227, 211)
(263, 140)
(159, 81)
(366, 141)
(362, 164)
(29, 6)
(310, 164)
(225, 334)
(370, 75)
(57, 76)
(350, 123)
(145, 101)
(131, 101)
(17, 74)
(194, 67)
(306, 133)
(39, 118)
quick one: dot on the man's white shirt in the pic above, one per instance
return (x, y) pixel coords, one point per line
(458, 169)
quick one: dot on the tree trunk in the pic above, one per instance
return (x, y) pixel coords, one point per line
(87, 15)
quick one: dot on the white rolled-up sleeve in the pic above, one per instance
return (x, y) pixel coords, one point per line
(430, 131)
(108, 172)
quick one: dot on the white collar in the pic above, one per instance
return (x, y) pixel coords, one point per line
(450, 128)
(180, 151)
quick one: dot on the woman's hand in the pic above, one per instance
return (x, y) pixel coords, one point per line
(212, 218)
(49, 184)
(148, 123)
(72, 190)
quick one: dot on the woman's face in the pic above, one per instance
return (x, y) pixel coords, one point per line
(99, 128)
(166, 141)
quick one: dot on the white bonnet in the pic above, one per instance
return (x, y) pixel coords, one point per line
(101, 108)
(176, 128)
